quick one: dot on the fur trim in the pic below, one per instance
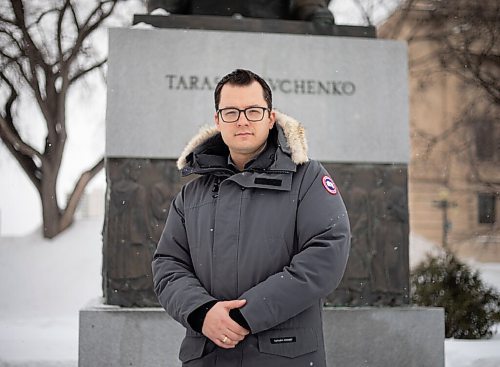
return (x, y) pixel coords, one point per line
(295, 135)
(205, 133)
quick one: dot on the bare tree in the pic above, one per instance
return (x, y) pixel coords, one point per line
(45, 49)
(466, 35)
(462, 38)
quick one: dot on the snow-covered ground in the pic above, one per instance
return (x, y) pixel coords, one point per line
(44, 283)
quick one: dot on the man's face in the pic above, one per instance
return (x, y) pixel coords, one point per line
(244, 137)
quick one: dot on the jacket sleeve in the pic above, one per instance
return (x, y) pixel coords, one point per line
(323, 235)
(178, 289)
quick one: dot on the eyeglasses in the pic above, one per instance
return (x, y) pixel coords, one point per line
(251, 113)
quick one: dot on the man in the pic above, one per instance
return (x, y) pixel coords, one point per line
(251, 247)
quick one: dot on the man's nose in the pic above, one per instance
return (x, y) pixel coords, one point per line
(242, 120)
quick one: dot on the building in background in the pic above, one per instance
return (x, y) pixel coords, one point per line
(454, 172)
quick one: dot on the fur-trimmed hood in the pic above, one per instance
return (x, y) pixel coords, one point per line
(289, 130)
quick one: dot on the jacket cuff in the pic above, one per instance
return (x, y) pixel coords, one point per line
(197, 317)
(237, 316)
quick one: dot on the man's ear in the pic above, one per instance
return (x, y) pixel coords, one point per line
(216, 120)
(272, 119)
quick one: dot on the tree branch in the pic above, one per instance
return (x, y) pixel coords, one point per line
(33, 54)
(32, 51)
(76, 195)
(10, 136)
(59, 35)
(6, 20)
(75, 18)
(88, 27)
(476, 172)
(11, 36)
(14, 59)
(7, 126)
(40, 17)
(26, 163)
(83, 72)
(363, 11)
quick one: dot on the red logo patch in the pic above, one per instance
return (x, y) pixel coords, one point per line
(329, 185)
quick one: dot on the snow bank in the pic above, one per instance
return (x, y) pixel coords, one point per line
(45, 283)
(43, 286)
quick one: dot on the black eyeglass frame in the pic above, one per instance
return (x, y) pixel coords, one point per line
(220, 110)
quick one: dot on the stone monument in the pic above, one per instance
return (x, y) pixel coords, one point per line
(351, 94)
(375, 193)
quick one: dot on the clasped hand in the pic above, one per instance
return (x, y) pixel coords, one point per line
(220, 328)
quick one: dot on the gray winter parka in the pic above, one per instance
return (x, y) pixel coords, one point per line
(277, 236)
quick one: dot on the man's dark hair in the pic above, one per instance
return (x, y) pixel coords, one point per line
(243, 77)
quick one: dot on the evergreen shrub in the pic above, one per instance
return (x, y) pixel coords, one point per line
(471, 307)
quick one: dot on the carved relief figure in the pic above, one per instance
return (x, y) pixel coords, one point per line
(355, 286)
(128, 223)
(389, 214)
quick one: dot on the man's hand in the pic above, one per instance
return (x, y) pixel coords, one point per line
(222, 329)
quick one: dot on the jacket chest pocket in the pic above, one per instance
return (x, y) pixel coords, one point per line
(267, 213)
(200, 227)
(290, 343)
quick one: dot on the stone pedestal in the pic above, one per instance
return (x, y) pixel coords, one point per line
(353, 104)
(114, 336)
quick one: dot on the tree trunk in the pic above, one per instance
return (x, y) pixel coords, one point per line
(50, 209)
